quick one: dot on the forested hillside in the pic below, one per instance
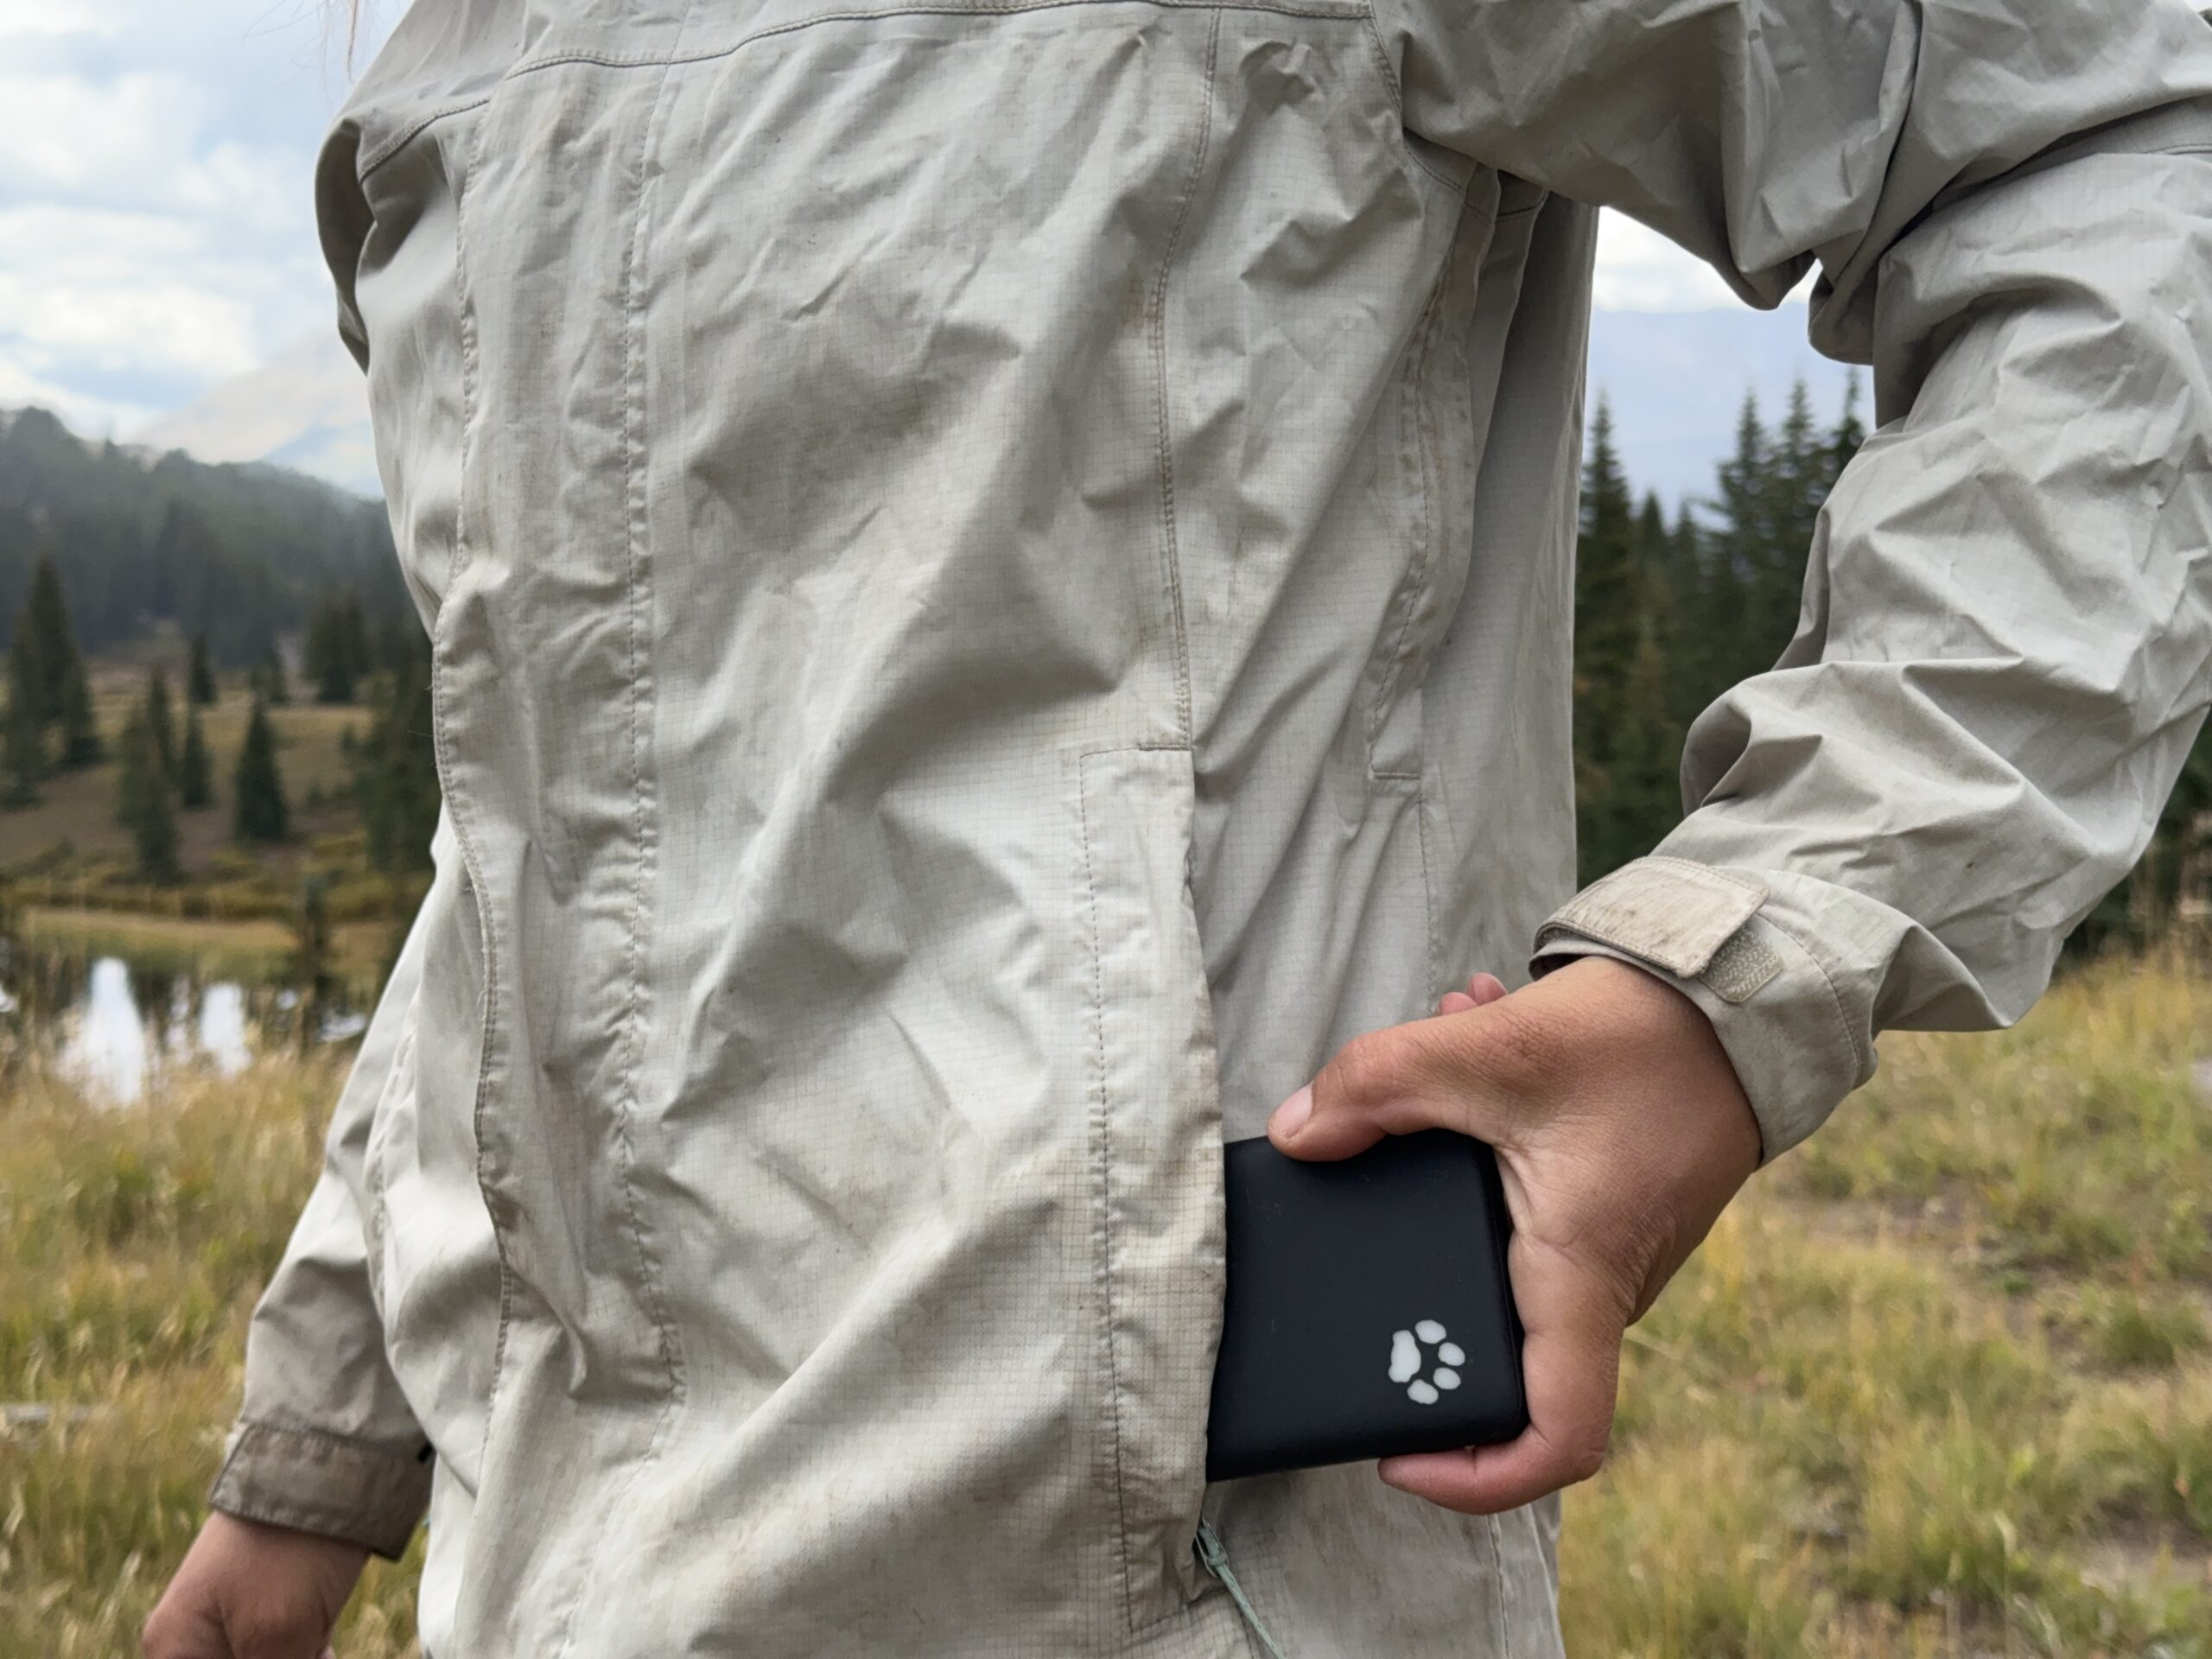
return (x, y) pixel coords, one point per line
(239, 553)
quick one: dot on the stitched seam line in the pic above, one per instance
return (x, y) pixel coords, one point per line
(1422, 569)
(487, 926)
(633, 375)
(1373, 29)
(253, 1430)
(1157, 323)
(1497, 1570)
(707, 55)
(1101, 1124)
(1428, 897)
(1382, 59)
(391, 146)
(398, 141)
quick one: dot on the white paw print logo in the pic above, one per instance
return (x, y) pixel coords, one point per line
(1406, 1362)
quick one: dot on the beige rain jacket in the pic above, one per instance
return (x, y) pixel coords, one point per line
(1000, 573)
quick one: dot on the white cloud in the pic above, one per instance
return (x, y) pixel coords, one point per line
(56, 17)
(1639, 269)
(156, 231)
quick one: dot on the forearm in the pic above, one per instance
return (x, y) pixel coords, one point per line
(2000, 665)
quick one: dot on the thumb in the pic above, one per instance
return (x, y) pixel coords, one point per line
(1425, 1075)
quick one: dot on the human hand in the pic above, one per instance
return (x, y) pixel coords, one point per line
(1621, 1133)
(247, 1591)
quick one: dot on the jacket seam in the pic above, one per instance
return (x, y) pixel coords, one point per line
(1414, 585)
(1101, 1124)
(487, 924)
(1372, 28)
(1345, 14)
(635, 528)
(398, 141)
(347, 1442)
(1157, 324)
(1498, 1572)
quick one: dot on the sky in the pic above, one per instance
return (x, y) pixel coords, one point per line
(156, 237)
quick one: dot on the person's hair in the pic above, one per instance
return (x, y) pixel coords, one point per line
(342, 21)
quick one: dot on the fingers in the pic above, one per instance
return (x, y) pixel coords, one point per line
(1445, 1072)
(1481, 990)
(1571, 1364)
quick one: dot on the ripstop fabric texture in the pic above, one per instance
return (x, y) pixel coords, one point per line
(999, 575)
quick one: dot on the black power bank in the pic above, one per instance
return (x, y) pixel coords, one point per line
(1369, 1311)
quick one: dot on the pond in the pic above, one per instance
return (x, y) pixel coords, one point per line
(112, 1013)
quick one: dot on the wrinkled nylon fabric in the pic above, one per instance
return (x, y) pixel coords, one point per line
(1000, 577)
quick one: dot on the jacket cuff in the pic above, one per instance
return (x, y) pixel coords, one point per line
(350, 1489)
(1712, 934)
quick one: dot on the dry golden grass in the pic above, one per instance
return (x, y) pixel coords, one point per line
(1939, 1384)
(132, 1244)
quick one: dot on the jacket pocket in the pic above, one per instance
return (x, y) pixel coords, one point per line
(1155, 1108)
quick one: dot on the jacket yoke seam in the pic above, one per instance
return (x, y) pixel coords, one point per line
(1345, 14)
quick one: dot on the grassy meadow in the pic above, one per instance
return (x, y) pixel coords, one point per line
(1939, 1385)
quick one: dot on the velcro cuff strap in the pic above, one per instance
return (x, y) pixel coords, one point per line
(1667, 910)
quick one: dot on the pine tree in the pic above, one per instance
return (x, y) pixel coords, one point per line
(337, 650)
(156, 830)
(22, 744)
(257, 792)
(396, 774)
(1850, 434)
(311, 957)
(42, 634)
(143, 805)
(200, 689)
(81, 731)
(1607, 625)
(161, 722)
(196, 784)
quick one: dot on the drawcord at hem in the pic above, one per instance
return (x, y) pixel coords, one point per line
(1217, 1562)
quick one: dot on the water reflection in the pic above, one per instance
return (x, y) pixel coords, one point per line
(114, 1023)
(103, 1048)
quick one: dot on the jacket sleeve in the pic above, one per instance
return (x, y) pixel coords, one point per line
(2000, 662)
(324, 1442)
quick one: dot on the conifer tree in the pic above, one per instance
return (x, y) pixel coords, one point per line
(161, 722)
(257, 792)
(81, 731)
(22, 744)
(396, 773)
(1607, 626)
(195, 783)
(43, 635)
(336, 651)
(200, 689)
(144, 802)
(311, 957)
(155, 833)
